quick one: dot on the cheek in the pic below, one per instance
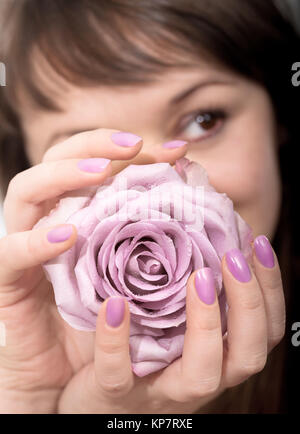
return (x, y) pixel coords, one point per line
(245, 167)
(244, 176)
(252, 181)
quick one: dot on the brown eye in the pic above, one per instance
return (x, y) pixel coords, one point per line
(202, 125)
(207, 121)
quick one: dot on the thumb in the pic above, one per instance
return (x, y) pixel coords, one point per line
(23, 250)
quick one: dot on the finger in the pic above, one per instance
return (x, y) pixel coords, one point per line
(167, 152)
(198, 372)
(113, 374)
(29, 189)
(105, 143)
(269, 277)
(171, 151)
(23, 250)
(246, 350)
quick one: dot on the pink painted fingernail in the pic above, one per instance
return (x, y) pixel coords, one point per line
(205, 286)
(126, 140)
(238, 266)
(263, 251)
(93, 165)
(115, 311)
(174, 144)
(60, 234)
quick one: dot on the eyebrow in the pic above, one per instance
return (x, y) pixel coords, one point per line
(187, 92)
(176, 100)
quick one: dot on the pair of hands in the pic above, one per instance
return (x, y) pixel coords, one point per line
(48, 367)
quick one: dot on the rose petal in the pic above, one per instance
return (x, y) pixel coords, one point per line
(141, 234)
(166, 350)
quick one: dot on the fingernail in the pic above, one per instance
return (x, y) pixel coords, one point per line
(115, 310)
(238, 266)
(60, 234)
(93, 165)
(174, 144)
(263, 251)
(125, 139)
(205, 286)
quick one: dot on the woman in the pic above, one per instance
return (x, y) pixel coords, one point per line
(216, 77)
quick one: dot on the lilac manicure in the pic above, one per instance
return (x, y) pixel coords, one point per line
(60, 234)
(93, 165)
(125, 139)
(115, 310)
(205, 286)
(238, 266)
(264, 252)
(174, 144)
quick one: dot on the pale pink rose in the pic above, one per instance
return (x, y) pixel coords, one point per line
(131, 242)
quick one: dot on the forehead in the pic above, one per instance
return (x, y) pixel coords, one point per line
(73, 97)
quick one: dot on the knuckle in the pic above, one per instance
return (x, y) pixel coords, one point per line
(271, 282)
(274, 284)
(209, 324)
(280, 334)
(276, 337)
(181, 398)
(254, 364)
(110, 348)
(202, 388)
(251, 302)
(178, 398)
(114, 388)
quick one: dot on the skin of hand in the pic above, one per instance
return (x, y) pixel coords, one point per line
(42, 353)
(48, 367)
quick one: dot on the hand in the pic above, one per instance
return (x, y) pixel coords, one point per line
(43, 353)
(209, 363)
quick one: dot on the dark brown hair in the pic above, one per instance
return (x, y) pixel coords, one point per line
(117, 42)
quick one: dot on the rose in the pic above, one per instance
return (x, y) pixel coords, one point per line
(131, 242)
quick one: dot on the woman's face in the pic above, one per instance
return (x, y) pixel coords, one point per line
(228, 121)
